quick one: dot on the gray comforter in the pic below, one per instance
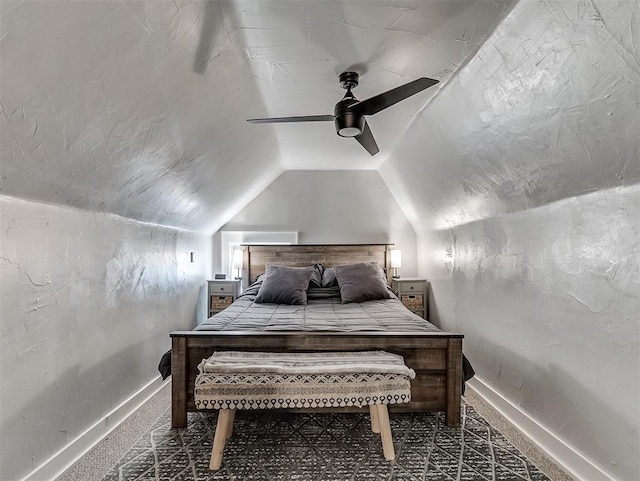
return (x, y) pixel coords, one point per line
(324, 314)
(327, 314)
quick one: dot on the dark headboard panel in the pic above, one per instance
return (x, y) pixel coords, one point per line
(256, 257)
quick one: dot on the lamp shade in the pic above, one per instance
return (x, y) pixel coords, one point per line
(236, 262)
(396, 258)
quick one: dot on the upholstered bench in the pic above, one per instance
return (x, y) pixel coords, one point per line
(231, 380)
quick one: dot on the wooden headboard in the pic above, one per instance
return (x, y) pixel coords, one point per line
(256, 257)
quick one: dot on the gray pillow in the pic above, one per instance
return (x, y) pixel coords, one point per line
(361, 282)
(285, 285)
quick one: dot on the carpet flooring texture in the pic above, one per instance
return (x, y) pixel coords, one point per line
(274, 446)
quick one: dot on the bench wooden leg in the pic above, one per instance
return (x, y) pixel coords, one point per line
(385, 432)
(232, 417)
(375, 426)
(224, 428)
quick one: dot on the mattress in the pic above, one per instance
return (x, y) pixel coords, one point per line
(327, 314)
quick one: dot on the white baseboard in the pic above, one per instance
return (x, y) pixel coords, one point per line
(557, 450)
(59, 463)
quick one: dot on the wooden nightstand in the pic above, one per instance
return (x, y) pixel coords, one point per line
(412, 291)
(221, 294)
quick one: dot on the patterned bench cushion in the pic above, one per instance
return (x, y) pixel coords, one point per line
(249, 380)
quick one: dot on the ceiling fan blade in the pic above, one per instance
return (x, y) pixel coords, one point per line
(303, 118)
(386, 99)
(367, 141)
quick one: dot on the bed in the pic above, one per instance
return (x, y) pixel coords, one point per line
(324, 324)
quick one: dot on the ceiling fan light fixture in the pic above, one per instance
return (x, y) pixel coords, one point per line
(349, 125)
(349, 132)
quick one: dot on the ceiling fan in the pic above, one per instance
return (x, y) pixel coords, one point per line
(348, 114)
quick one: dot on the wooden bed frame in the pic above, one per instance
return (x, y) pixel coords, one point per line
(436, 357)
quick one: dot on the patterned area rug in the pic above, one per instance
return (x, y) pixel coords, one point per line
(322, 447)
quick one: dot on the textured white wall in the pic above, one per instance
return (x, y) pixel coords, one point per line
(521, 179)
(88, 302)
(549, 302)
(332, 207)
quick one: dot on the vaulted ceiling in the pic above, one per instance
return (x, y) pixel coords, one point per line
(139, 108)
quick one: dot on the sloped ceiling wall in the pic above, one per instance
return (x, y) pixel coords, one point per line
(139, 108)
(547, 109)
(131, 108)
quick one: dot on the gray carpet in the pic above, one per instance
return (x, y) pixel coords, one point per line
(322, 447)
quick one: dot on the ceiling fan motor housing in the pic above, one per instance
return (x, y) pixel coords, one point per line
(348, 123)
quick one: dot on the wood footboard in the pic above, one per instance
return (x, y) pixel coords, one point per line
(435, 357)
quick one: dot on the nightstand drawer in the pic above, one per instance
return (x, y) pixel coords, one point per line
(221, 302)
(409, 287)
(413, 301)
(220, 288)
